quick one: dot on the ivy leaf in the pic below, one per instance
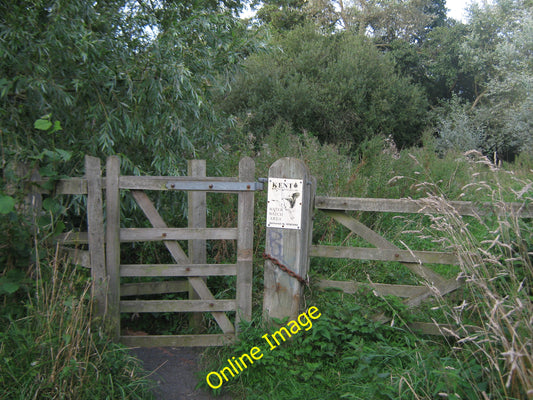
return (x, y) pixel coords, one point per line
(64, 155)
(7, 204)
(42, 124)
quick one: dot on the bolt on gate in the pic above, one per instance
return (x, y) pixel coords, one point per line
(106, 266)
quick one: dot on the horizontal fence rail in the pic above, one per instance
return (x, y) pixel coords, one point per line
(412, 206)
(414, 260)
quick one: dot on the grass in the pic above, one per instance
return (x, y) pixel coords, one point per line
(58, 350)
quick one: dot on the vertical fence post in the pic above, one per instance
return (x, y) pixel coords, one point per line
(113, 244)
(290, 247)
(95, 227)
(245, 244)
(197, 218)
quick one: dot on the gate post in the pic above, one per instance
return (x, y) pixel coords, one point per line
(245, 244)
(291, 191)
(197, 218)
(113, 244)
(95, 228)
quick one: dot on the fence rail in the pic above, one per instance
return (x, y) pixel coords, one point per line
(414, 260)
(412, 206)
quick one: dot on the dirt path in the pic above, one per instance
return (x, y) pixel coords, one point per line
(174, 370)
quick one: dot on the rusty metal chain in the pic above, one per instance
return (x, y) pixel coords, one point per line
(275, 261)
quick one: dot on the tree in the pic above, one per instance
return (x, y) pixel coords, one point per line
(282, 15)
(436, 63)
(497, 53)
(125, 77)
(337, 87)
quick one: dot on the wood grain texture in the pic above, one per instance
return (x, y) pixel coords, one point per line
(95, 222)
(177, 340)
(290, 246)
(113, 243)
(245, 222)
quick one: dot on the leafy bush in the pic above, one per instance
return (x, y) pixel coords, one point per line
(345, 354)
(338, 87)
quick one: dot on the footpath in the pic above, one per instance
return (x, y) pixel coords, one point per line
(174, 371)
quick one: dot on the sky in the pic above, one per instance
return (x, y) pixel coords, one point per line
(456, 9)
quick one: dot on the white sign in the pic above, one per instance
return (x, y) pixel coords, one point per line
(284, 209)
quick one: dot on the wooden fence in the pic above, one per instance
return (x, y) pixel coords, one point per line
(278, 283)
(287, 250)
(104, 240)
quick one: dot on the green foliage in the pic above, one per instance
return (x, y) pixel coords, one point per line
(344, 355)
(436, 63)
(337, 87)
(282, 15)
(496, 53)
(57, 351)
(118, 81)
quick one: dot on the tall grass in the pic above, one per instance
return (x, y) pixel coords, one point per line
(498, 273)
(57, 351)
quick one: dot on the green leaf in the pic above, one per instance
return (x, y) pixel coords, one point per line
(42, 124)
(7, 204)
(47, 171)
(64, 154)
(57, 127)
(9, 287)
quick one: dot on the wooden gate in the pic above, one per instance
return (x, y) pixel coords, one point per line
(104, 240)
(384, 250)
(278, 283)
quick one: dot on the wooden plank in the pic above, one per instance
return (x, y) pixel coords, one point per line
(141, 306)
(113, 243)
(383, 289)
(34, 199)
(95, 222)
(142, 288)
(431, 328)
(365, 253)
(157, 222)
(448, 286)
(245, 222)
(203, 291)
(64, 186)
(380, 242)
(180, 257)
(196, 218)
(289, 246)
(421, 206)
(159, 182)
(73, 238)
(177, 340)
(77, 256)
(178, 269)
(158, 234)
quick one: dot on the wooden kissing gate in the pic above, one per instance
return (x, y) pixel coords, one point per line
(103, 255)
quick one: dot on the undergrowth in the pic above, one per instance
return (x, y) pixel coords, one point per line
(345, 355)
(51, 344)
